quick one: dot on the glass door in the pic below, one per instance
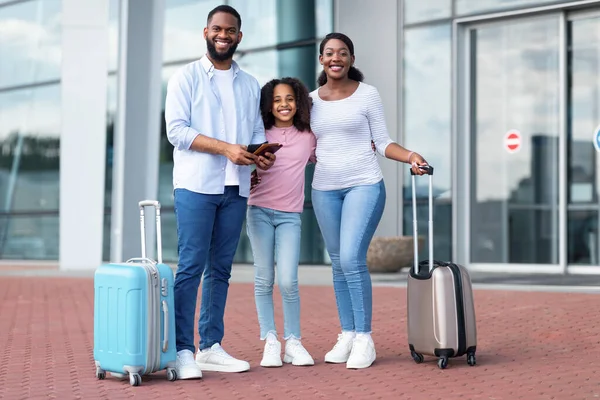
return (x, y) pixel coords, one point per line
(514, 126)
(583, 120)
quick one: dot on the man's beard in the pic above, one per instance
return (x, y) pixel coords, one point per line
(215, 55)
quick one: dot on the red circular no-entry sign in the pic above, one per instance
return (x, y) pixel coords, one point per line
(512, 141)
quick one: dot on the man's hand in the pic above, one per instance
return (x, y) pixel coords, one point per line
(265, 162)
(239, 155)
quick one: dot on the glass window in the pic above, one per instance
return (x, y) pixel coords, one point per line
(113, 35)
(30, 42)
(29, 237)
(259, 22)
(30, 149)
(514, 192)
(421, 11)
(583, 162)
(262, 65)
(470, 6)
(324, 16)
(427, 129)
(185, 21)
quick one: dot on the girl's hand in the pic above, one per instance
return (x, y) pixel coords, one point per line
(415, 161)
(265, 162)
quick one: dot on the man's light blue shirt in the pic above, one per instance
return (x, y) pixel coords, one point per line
(193, 107)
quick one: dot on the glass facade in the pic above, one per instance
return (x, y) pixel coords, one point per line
(533, 72)
(30, 101)
(527, 66)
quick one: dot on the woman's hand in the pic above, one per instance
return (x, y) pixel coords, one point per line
(415, 160)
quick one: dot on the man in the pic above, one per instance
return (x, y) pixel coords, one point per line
(212, 113)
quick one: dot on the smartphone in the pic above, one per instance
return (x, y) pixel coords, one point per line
(261, 149)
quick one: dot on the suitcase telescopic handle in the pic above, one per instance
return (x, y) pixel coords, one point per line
(156, 204)
(429, 170)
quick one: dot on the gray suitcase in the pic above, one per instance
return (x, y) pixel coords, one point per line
(440, 307)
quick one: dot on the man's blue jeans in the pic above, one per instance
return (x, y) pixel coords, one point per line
(348, 219)
(275, 232)
(208, 229)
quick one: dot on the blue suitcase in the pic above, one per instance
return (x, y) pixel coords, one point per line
(134, 318)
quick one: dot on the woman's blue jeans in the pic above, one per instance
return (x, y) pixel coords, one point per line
(348, 219)
(275, 235)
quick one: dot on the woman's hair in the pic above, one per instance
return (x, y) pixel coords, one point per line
(353, 73)
(302, 116)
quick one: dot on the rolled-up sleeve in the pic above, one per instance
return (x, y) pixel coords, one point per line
(258, 133)
(376, 117)
(178, 111)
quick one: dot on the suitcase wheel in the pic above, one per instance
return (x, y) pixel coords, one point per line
(100, 373)
(417, 357)
(135, 379)
(443, 362)
(471, 359)
(171, 374)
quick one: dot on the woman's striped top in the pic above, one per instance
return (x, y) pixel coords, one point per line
(344, 130)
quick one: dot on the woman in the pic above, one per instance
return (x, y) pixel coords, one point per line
(348, 191)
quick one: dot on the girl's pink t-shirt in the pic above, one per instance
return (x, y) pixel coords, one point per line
(281, 187)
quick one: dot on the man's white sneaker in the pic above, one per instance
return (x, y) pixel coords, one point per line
(296, 354)
(217, 359)
(341, 350)
(363, 352)
(186, 366)
(272, 352)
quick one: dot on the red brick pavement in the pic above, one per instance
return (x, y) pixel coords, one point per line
(531, 346)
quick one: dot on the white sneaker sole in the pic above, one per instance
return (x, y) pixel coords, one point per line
(187, 374)
(334, 360)
(351, 365)
(223, 368)
(271, 364)
(290, 360)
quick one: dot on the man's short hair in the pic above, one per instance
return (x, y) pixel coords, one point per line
(225, 9)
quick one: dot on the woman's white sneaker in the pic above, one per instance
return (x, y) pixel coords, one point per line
(296, 354)
(363, 352)
(186, 366)
(272, 352)
(341, 351)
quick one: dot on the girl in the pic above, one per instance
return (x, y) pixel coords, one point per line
(348, 191)
(273, 218)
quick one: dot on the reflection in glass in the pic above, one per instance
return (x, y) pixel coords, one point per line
(113, 35)
(30, 149)
(514, 204)
(475, 6)
(421, 11)
(262, 65)
(324, 16)
(30, 42)
(259, 22)
(583, 162)
(29, 237)
(183, 31)
(427, 81)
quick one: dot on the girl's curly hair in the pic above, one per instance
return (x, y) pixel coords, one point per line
(303, 103)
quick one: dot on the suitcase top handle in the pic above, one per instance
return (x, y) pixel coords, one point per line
(149, 203)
